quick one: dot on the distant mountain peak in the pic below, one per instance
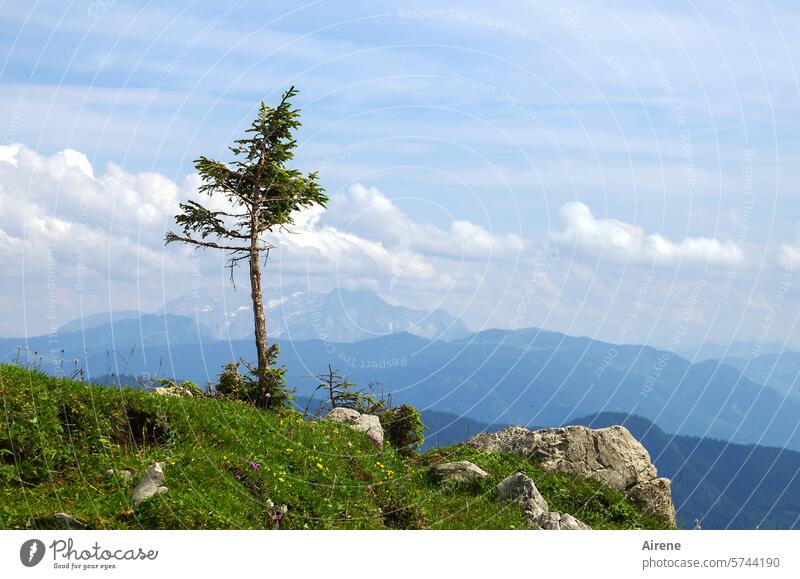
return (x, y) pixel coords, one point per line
(294, 313)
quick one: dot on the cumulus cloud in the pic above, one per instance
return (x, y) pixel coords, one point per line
(367, 212)
(789, 256)
(626, 241)
(364, 237)
(101, 234)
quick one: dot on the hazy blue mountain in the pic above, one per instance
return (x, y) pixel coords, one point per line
(296, 314)
(526, 376)
(94, 320)
(780, 372)
(744, 350)
(531, 377)
(124, 336)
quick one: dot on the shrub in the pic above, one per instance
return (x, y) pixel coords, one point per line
(341, 393)
(234, 385)
(237, 385)
(403, 426)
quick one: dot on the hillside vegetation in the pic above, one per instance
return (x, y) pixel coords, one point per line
(230, 466)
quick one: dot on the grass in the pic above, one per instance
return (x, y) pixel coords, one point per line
(58, 439)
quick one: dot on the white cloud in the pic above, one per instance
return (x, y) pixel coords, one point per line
(105, 233)
(626, 241)
(363, 235)
(367, 212)
(789, 256)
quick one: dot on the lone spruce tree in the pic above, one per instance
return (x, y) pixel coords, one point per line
(262, 193)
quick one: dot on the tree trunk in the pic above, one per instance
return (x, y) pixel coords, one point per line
(260, 322)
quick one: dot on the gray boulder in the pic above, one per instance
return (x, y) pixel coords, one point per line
(656, 497)
(366, 423)
(461, 471)
(610, 455)
(519, 488)
(553, 521)
(150, 485)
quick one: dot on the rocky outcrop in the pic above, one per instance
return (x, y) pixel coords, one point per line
(366, 423)
(520, 489)
(150, 485)
(178, 391)
(656, 496)
(461, 471)
(610, 455)
(557, 522)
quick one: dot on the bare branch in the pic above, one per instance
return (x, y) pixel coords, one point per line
(172, 237)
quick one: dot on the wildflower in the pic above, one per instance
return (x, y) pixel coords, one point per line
(280, 478)
(390, 473)
(289, 450)
(253, 465)
(319, 466)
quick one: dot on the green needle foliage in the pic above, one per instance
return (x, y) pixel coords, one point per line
(262, 194)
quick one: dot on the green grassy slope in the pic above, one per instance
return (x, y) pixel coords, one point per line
(58, 439)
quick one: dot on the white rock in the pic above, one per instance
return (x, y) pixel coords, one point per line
(178, 391)
(553, 521)
(610, 455)
(519, 488)
(656, 497)
(366, 423)
(460, 472)
(151, 484)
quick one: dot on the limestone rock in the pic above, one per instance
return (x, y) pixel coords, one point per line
(178, 391)
(519, 488)
(366, 423)
(656, 496)
(556, 522)
(459, 472)
(151, 484)
(610, 455)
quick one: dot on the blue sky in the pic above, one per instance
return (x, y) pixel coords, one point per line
(639, 139)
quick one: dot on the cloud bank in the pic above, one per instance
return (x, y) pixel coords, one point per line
(96, 239)
(621, 240)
